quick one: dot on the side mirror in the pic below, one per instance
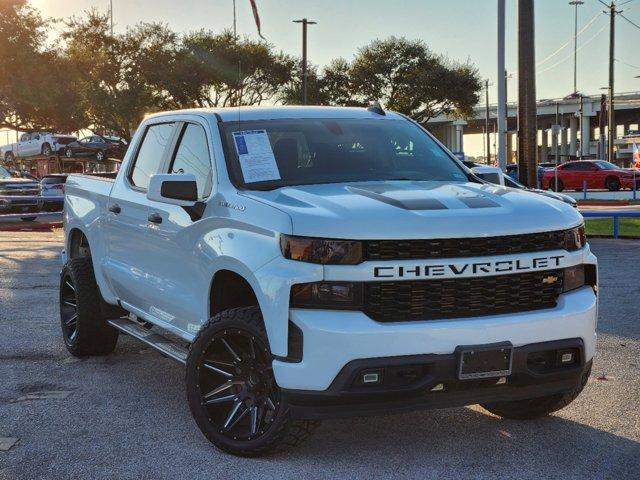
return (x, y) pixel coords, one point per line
(181, 190)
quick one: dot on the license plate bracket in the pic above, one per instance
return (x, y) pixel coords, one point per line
(477, 362)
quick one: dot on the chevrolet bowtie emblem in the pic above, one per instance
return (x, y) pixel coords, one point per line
(550, 279)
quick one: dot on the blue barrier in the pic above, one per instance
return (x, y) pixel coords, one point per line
(615, 215)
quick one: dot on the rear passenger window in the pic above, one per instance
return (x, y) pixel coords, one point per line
(192, 156)
(150, 153)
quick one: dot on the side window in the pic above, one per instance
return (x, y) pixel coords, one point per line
(569, 167)
(25, 138)
(192, 156)
(149, 155)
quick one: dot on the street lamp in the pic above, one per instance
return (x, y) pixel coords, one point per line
(575, 3)
(304, 23)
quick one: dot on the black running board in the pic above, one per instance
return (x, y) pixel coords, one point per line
(155, 340)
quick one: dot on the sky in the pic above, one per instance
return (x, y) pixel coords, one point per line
(464, 30)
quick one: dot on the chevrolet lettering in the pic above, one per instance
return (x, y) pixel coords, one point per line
(308, 263)
(478, 268)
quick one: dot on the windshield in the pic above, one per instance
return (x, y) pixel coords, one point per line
(4, 173)
(606, 165)
(270, 154)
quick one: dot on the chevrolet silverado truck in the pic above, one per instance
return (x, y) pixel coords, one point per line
(306, 263)
(19, 195)
(36, 143)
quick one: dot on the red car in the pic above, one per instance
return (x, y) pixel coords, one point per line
(597, 173)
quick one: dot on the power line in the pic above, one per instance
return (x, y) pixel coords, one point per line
(584, 44)
(563, 46)
(632, 23)
(626, 63)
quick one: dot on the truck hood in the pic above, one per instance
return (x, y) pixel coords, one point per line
(412, 210)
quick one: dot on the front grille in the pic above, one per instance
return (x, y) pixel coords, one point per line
(461, 297)
(18, 192)
(463, 247)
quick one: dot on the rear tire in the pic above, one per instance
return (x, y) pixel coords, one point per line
(9, 157)
(231, 389)
(100, 155)
(46, 150)
(537, 407)
(83, 312)
(612, 184)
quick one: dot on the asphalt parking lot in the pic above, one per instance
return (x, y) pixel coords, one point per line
(125, 415)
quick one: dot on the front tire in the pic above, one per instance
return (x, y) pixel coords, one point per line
(532, 408)
(231, 389)
(68, 153)
(83, 312)
(612, 184)
(100, 155)
(9, 157)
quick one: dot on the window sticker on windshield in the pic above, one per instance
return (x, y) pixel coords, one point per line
(257, 161)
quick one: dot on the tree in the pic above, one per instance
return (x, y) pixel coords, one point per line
(330, 86)
(218, 70)
(405, 76)
(118, 77)
(31, 74)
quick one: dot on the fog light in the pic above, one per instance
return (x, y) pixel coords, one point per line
(369, 377)
(566, 358)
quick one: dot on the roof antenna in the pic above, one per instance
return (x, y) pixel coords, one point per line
(374, 106)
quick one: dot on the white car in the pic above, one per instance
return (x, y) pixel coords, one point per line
(36, 143)
(324, 262)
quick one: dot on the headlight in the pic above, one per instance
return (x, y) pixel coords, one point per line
(575, 238)
(323, 251)
(331, 295)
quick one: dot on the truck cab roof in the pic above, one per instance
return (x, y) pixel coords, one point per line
(235, 114)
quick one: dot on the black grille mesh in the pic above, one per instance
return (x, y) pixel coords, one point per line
(461, 297)
(462, 247)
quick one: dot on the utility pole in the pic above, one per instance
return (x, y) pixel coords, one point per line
(502, 92)
(235, 31)
(111, 15)
(576, 3)
(527, 118)
(304, 23)
(487, 120)
(611, 133)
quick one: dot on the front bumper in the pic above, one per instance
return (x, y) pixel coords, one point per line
(20, 204)
(332, 339)
(434, 384)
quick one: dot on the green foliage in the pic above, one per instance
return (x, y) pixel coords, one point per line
(88, 78)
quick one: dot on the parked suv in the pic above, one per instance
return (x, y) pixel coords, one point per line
(598, 174)
(318, 262)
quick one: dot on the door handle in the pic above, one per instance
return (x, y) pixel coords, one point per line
(115, 208)
(155, 218)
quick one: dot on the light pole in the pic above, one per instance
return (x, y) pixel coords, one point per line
(304, 23)
(575, 3)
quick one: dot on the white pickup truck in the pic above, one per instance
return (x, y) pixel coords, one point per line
(36, 143)
(325, 262)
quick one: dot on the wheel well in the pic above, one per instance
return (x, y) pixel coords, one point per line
(610, 177)
(78, 244)
(230, 290)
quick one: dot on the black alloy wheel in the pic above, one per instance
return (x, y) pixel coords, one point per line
(68, 310)
(237, 386)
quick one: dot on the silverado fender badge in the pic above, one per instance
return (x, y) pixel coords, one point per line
(233, 206)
